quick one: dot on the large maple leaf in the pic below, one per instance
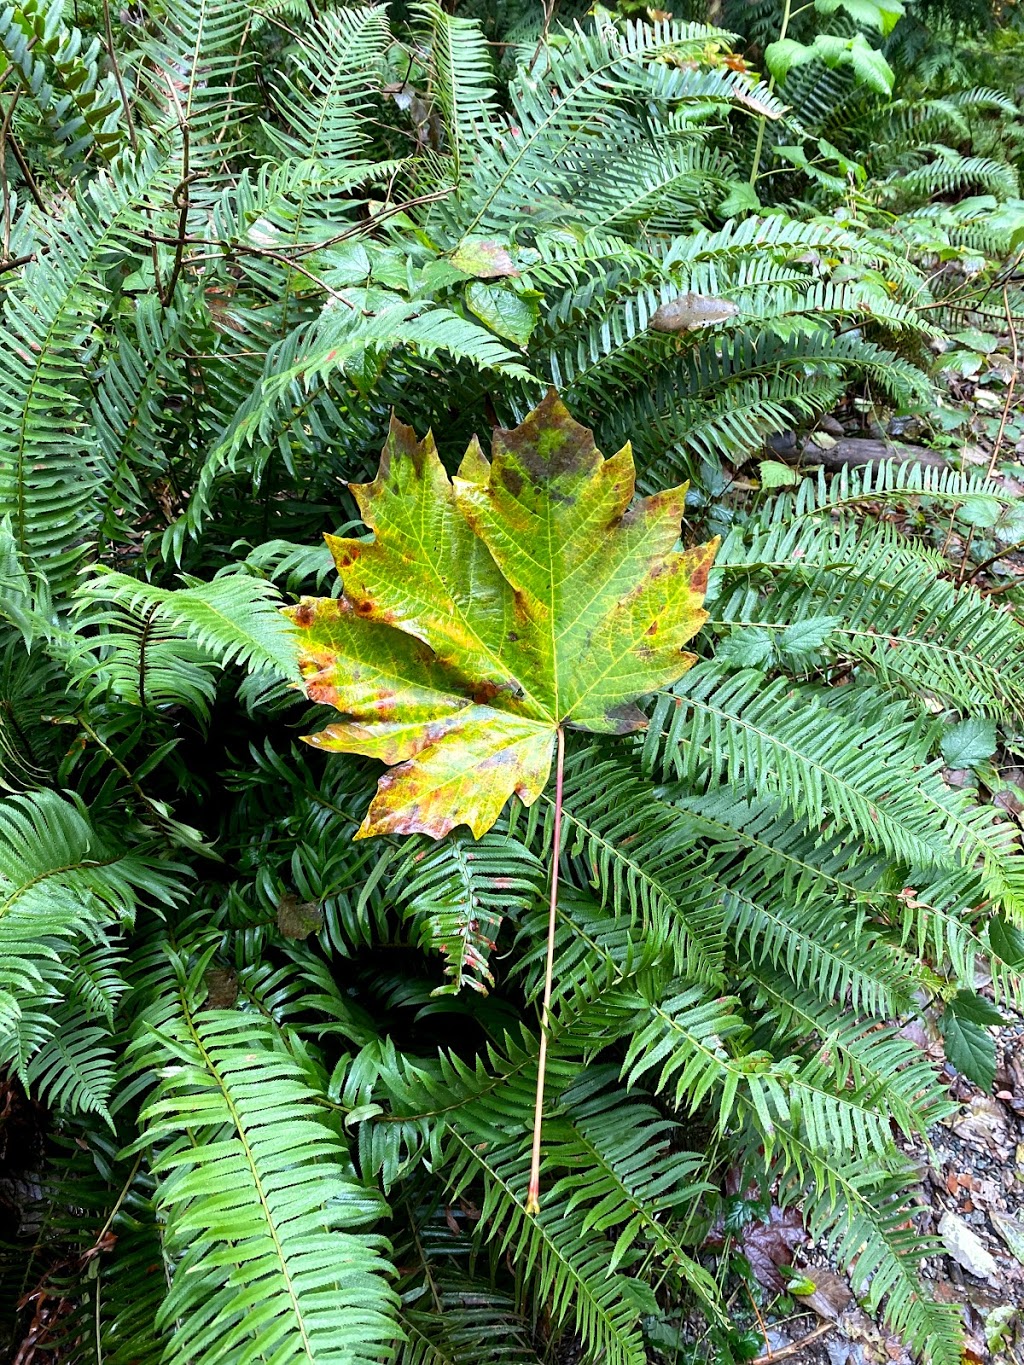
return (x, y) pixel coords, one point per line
(532, 592)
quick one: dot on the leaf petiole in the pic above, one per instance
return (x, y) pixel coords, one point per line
(533, 1190)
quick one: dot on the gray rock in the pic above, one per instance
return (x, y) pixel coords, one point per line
(966, 1247)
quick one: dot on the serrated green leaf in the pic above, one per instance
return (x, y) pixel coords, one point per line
(746, 647)
(978, 509)
(742, 198)
(781, 56)
(969, 1045)
(970, 1049)
(503, 310)
(974, 1008)
(483, 258)
(870, 67)
(1006, 941)
(878, 14)
(969, 743)
(773, 474)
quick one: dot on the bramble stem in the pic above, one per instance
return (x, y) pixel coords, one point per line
(533, 1191)
(787, 14)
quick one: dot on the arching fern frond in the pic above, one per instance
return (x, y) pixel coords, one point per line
(251, 1218)
(52, 472)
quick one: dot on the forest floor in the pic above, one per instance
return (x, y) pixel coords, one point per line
(972, 1192)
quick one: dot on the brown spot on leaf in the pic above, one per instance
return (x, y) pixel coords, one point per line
(485, 692)
(512, 480)
(304, 614)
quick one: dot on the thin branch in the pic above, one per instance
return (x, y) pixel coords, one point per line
(533, 1190)
(26, 171)
(235, 248)
(289, 264)
(794, 1348)
(28, 48)
(129, 122)
(179, 198)
(1012, 384)
(1000, 554)
(8, 116)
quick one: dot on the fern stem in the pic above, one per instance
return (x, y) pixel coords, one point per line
(533, 1190)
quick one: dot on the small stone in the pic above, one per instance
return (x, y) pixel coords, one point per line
(966, 1247)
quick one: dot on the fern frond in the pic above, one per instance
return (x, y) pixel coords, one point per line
(573, 1277)
(639, 854)
(74, 1070)
(51, 467)
(886, 602)
(770, 737)
(864, 1213)
(142, 654)
(322, 96)
(62, 76)
(463, 80)
(254, 1220)
(457, 895)
(62, 889)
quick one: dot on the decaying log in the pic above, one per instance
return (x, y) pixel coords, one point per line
(850, 451)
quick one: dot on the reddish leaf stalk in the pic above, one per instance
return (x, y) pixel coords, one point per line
(533, 1191)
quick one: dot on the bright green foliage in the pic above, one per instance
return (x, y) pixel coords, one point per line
(247, 1028)
(251, 1176)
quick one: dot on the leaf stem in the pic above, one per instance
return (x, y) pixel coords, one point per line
(533, 1190)
(787, 14)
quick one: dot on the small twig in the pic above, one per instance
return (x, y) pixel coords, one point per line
(1012, 384)
(8, 116)
(794, 1348)
(359, 229)
(179, 198)
(533, 1190)
(15, 262)
(770, 1354)
(235, 248)
(549, 14)
(964, 560)
(8, 69)
(26, 171)
(129, 122)
(1000, 554)
(125, 772)
(289, 264)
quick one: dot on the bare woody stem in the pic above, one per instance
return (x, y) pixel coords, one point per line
(533, 1191)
